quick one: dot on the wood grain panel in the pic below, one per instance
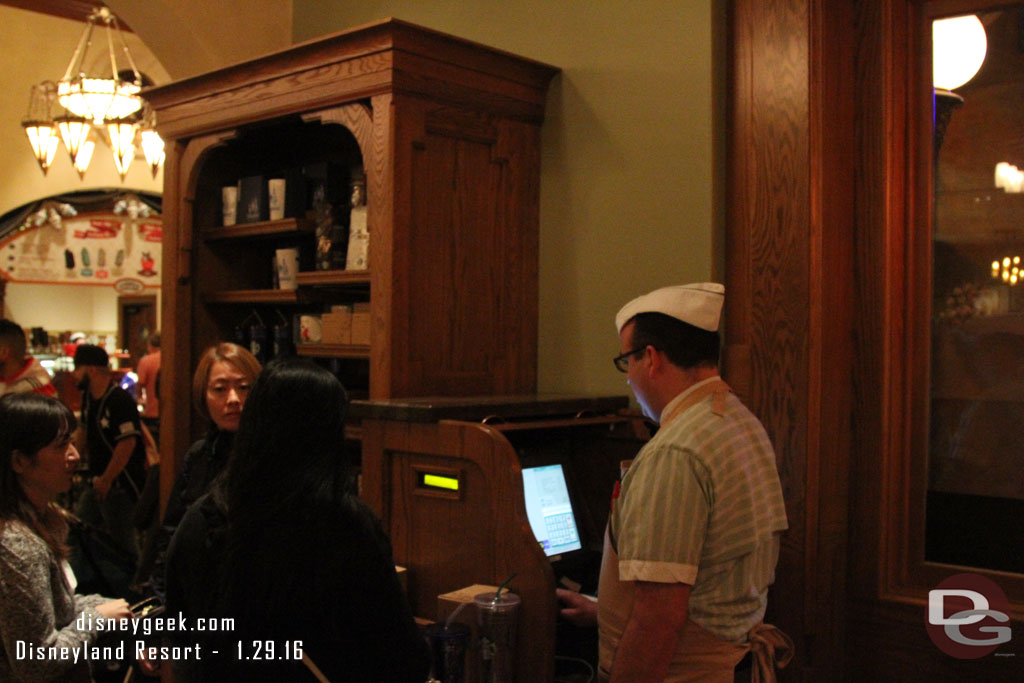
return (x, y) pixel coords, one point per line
(882, 165)
(177, 287)
(465, 202)
(383, 200)
(358, 119)
(479, 536)
(319, 88)
(788, 317)
(768, 234)
(519, 144)
(437, 80)
(830, 328)
(448, 237)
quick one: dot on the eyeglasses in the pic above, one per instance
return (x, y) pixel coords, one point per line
(622, 362)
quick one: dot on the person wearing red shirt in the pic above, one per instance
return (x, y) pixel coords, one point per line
(20, 373)
(148, 371)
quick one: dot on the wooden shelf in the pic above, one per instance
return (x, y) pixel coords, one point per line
(333, 277)
(285, 226)
(333, 350)
(253, 296)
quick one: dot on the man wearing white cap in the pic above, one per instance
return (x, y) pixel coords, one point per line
(693, 534)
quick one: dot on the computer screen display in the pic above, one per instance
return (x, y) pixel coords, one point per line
(549, 509)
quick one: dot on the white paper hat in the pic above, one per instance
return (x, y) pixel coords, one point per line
(699, 304)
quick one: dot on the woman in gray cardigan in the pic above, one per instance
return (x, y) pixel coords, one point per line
(48, 632)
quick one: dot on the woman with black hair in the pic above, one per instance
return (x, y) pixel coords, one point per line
(282, 545)
(38, 605)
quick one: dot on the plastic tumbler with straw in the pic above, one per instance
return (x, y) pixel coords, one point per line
(448, 643)
(497, 615)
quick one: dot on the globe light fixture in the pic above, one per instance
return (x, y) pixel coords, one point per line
(958, 51)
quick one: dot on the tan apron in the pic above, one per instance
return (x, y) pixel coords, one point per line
(699, 655)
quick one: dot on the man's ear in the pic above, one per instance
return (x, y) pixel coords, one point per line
(655, 358)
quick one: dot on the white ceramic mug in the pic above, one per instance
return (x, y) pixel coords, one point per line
(229, 199)
(287, 263)
(275, 191)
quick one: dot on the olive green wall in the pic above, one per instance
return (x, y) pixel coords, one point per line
(627, 201)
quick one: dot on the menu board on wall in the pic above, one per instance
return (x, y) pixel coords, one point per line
(92, 249)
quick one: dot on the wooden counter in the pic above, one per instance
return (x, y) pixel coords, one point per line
(478, 533)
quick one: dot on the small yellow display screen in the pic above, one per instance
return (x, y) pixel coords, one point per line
(441, 482)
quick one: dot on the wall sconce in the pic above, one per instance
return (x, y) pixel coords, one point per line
(958, 51)
(959, 45)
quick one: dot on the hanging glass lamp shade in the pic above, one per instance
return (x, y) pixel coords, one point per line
(153, 148)
(152, 143)
(74, 131)
(99, 99)
(39, 125)
(43, 138)
(84, 156)
(122, 143)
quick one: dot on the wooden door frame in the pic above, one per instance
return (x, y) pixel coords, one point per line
(788, 341)
(825, 198)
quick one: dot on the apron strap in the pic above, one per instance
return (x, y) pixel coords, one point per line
(770, 648)
(717, 387)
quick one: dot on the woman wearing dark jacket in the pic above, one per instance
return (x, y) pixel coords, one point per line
(282, 546)
(224, 375)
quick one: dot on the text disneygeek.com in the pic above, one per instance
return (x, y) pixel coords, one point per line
(147, 627)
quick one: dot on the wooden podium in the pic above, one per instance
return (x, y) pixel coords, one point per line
(445, 477)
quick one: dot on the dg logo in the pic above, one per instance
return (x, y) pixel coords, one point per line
(964, 616)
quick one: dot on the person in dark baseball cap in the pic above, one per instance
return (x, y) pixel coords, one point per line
(117, 451)
(91, 355)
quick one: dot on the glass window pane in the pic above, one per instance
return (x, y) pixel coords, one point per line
(975, 499)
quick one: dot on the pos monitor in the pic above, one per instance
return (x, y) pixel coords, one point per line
(549, 509)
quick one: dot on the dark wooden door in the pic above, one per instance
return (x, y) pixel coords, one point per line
(137, 320)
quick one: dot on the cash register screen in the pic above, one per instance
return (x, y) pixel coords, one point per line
(549, 509)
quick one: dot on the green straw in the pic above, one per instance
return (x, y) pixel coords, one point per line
(497, 593)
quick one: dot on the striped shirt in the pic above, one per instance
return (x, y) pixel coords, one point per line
(702, 505)
(32, 378)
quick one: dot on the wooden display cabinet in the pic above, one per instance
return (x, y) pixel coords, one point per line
(447, 133)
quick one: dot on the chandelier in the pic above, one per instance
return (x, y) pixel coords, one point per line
(78, 108)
